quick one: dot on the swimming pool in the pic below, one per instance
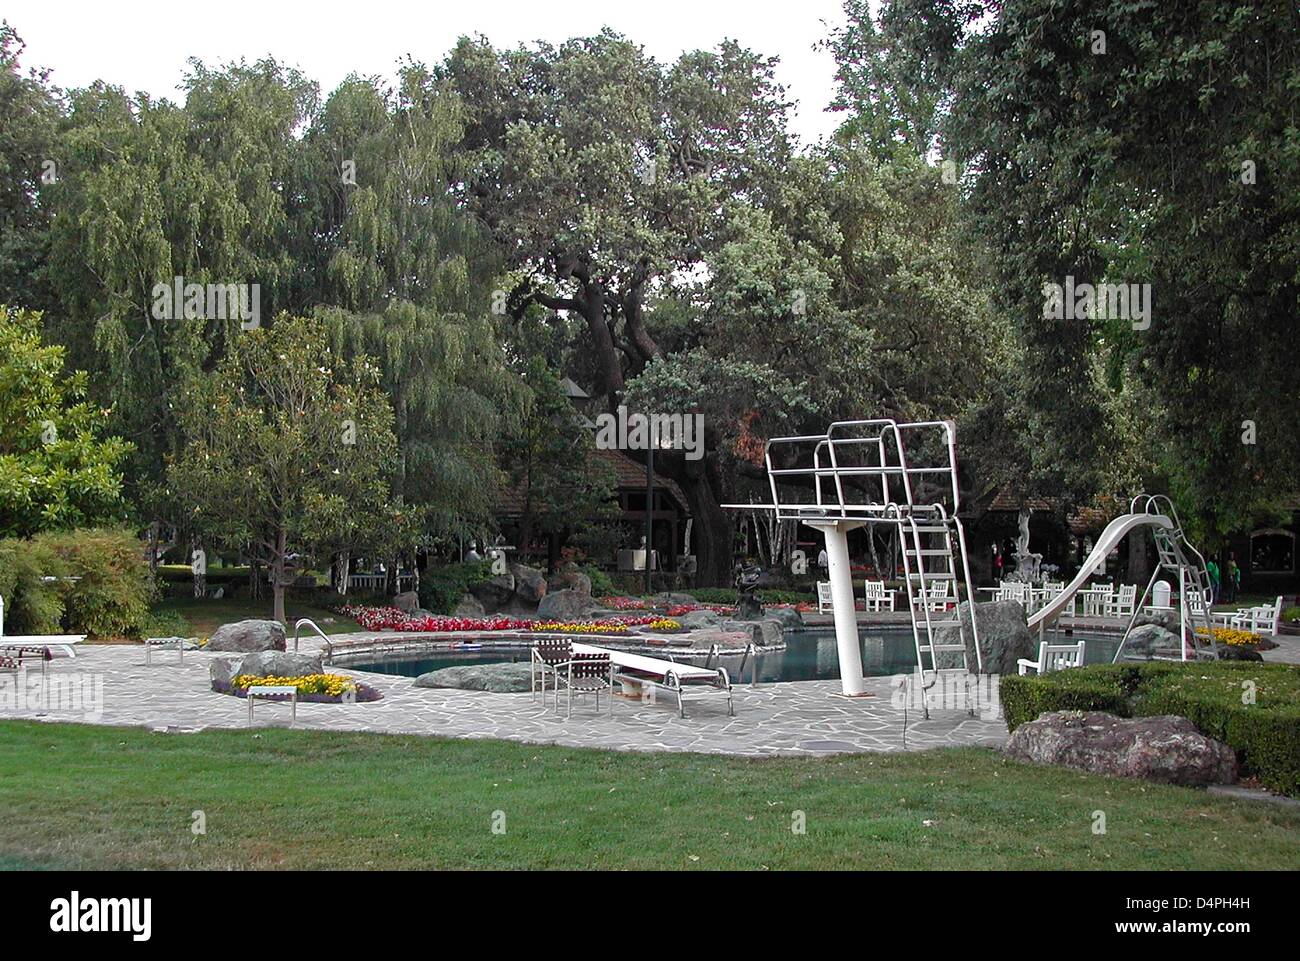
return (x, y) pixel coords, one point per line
(809, 656)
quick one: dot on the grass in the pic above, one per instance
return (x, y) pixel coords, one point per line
(94, 797)
(205, 615)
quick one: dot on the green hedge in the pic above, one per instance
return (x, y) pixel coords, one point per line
(442, 588)
(766, 595)
(102, 585)
(1265, 734)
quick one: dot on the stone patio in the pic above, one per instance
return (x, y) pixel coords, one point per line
(793, 718)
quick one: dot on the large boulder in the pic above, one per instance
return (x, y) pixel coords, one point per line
(570, 577)
(530, 583)
(468, 606)
(1145, 639)
(787, 617)
(566, 605)
(1166, 748)
(495, 592)
(667, 599)
(408, 602)
(724, 639)
(250, 635)
(764, 633)
(222, 671)
(701, 618)
(497, 678)
(1004, 637)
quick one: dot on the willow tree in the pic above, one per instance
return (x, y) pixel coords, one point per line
(409, 279)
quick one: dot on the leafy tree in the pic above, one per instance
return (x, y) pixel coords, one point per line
(29, 114)
(289, 452)
(1138, 143)
(550, 461)
(57, 469)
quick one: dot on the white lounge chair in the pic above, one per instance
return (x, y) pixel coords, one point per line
(824, 605)
(1053, 657)
(667, 676)
(877, 596)
(51, 642)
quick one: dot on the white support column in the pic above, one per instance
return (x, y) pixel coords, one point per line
(852, 683)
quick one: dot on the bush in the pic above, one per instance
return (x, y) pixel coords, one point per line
(1264, 733)
(766, 595)
(109, 589)
(602, 585)
(31, 606)
(442, 588)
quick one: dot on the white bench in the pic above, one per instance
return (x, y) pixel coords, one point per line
(268, 691)
(163, 643)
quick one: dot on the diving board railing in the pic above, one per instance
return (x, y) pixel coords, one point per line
(880, 471)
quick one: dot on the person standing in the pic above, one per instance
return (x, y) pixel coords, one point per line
(1231, 578)
(1212, 569)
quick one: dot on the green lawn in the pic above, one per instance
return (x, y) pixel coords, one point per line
(205, 615)
(95, 797)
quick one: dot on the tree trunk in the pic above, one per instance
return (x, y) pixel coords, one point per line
(277, 577)
(341, 573)
(198, 567)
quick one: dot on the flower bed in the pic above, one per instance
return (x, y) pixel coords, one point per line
(1232, 636)
(312, 688)
(619, 602)
(391, 619)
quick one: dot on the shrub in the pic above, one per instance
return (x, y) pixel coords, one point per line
(1265, 731)
(442, 588)
(108, 588)
(602, 585)
(31, 605)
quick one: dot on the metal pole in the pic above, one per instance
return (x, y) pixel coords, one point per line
(649, 506)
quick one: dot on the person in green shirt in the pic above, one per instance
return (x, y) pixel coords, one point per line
(1212, 569)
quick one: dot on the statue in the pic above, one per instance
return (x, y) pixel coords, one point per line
(1027, 562)
(747, 577)
(472, 555)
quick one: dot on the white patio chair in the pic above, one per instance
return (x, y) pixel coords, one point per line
(1120, 604)
(585, 674)
(1260, 620)
(877, 596)
(1053, 657)
(824, 605)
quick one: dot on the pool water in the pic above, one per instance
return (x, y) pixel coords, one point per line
(809, 656)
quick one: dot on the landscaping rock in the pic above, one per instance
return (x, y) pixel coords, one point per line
(222, 671)
(250, 635)
(280, 664)
(748, 608)
(570, 577)
(468, 606)
(408, 602)
(1146, 639)
(494, 592)
(1166, 748)
(497, 678)
(1230, 652)
(727, 640)
(701, 618)
(787, 617)
(566, 605)
(530, 583)
(671, 599)
(765, 633)
(1004, 637)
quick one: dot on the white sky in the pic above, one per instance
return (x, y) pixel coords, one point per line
(143, 44)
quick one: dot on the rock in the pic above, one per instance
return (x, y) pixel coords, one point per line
(727, 640)
(566, 605)
(530, 583)
(494, 592)
(701, 618)
(1167, 748)
(765, 633)
(748, 608)
(468, 606)
(408, 602)
(250, 635)
(1004, 637)
(222, 671)
(280, 664)
(497, 678)
(787, 617)
(1146, 639)
(1229, 652)
(570, 577)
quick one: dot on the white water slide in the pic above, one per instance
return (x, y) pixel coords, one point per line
(1175, 555)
